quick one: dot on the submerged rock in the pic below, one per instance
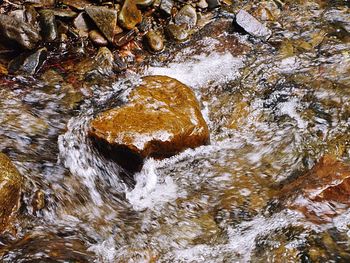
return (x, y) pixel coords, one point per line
(251, 25)
(10, 188)
(162, 118)
(178, 32)
(102, 64)
(105, 19)
(15, 31)
(125, 37)
(105, 61)
(321, 193)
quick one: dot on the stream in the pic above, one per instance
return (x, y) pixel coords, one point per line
(274, 108)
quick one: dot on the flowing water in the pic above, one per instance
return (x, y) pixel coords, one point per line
(273, 110)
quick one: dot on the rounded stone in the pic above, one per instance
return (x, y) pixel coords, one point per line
(154, 41)
(178, 32)
(186, 16)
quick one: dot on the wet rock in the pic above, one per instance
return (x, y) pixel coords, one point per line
(125, 37)
(129, 15)
(186, 16)
(42, 3)
(144, 3)
(31, 15)
(178, 32)
(38, 202)
(321, 193)
(213, 4)
(145, 25)
(3, 70)
(202, 4)
(166, 6)
(15, 31)
(28, 65)
(105, 19)
(97, 38)
(119, 64)
(81, 24)
(64, 13)
(104, 61)
(161, 118)
(15, 117)
(10, 190)
(48, 25)
(155, 41)
(339, 16)
(248, 23)
(77, 4)
(58, 247)
(18, 14)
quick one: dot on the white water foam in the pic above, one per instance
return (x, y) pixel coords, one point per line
(242, 239)
(290, 108)
(151, 189)
(199, 70)
(106, 250)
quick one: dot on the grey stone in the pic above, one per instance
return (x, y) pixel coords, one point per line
(166, 6)
(186, 16)
(80, 23)
(213, 4)
(48, 25)
(251, 25)
(28, 64)
(13, 30)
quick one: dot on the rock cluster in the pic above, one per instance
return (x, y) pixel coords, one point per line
(58, 26)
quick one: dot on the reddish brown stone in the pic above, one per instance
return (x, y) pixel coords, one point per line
(321, 193)
(10, 187)
(162, 118)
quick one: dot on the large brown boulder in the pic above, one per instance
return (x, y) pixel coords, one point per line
(10, 190)
(162, 118)
(321, 193)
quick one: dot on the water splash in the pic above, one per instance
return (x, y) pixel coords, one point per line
(151, 189)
